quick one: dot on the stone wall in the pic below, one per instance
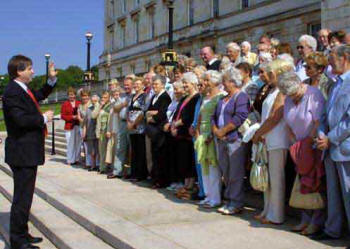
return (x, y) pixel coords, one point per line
(336, 14)
(284, 19)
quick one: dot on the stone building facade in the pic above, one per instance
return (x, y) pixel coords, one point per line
(137, 30)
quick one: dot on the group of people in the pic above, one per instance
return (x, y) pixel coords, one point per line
(198, 129)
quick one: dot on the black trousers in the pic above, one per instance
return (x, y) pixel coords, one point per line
(24, 185)
(160, 172)
(138, 156)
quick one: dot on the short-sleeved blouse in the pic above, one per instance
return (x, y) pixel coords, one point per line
(301, 117)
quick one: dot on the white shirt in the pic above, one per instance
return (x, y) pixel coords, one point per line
(157, 97)
(25, 88)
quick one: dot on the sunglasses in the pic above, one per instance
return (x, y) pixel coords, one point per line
(300, 47)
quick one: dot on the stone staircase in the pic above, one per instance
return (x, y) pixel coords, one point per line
(60, 142)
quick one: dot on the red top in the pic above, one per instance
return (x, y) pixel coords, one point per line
(67, 113)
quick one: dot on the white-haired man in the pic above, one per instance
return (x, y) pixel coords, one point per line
(323, 40)
(233, 52)
(247, 55)
(307, 45)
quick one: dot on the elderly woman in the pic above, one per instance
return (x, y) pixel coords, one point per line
(136, 127)
(247, 55)
(316, 64)
(302, 112)
(307, 45)
(82, 109)
(174, 175)
(230, 113)
(233, 52)
(204, 145)
(102, 133)
(274, 131)
(336, 38)
(89, 131)
(182, 120)
(249, 86)
(69, 113)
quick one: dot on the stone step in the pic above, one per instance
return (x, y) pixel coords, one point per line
(58, 134)
(57, 144)
(109, 226)
(5, 208)
(58, 139)
(59, 151)
(61, 230)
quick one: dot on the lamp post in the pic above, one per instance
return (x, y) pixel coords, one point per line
(47, 57)
(171, 23)
(89, 37)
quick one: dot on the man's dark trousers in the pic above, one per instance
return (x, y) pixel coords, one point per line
(24, 185)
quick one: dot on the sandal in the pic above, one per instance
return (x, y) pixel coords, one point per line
(310, 230)
(269, 222)
(299, 228)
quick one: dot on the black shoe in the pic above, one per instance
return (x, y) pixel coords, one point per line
(34, 240)
(29, 246)
(322, 236)
(92, 169)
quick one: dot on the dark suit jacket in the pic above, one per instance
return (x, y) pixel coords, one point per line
(214, 66)
(155, 130)
(24, 146)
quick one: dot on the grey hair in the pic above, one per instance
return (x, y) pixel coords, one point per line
(275, 42)
(234, 46)
(309, 40)
(95, 96)
(343, 50)
(215, 76)
(246, 43)
(286, 57)
(190, 77)
(234, 75)
(289, 83)
(161, 78)
(178, 84)
(267, 57)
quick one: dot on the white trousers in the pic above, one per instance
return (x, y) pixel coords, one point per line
(212, 185)
(274, 195)
(73, 139)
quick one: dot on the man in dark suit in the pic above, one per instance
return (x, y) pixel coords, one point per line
(156, 118)
(24, 147)
(208, 56)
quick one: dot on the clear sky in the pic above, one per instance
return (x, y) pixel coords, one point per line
(35, 27)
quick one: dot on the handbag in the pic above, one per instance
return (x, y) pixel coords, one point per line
(310, 201)
(259, 176)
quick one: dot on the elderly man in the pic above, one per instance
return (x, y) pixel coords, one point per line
(208, 57)
(323, 40)
(122, 138)
(247, 55)
(233, 52)
(307, 45)
(334, 139)
(263, 48)
(265, 39)
(156, 118)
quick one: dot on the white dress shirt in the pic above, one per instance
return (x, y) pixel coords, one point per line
(157, 97)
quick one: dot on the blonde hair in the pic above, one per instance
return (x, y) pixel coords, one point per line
(318, 59)
(279, 66)
(137, 79)
(71, 90)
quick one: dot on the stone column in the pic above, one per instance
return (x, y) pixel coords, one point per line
(336, 14)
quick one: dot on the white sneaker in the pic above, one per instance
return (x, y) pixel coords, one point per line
(204, 202)
(223, 209)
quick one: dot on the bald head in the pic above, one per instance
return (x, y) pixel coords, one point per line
(262, 47)
(207, 54)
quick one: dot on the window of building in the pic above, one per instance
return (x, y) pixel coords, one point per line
(215, 8)
(244, 4)
(151, 23)
(136, 29)
(111, 35)
(148, 65)
(132, 68)
(122, 35)
(313, 29)
(123, 2)
(190, 12)
(137, 3)
(111, 9)
(120, 71)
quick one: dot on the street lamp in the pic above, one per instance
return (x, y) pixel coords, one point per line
(47, 57)
(171, 23)
(169, 56)
(89, 37)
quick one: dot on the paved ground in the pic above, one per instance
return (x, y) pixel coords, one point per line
(160, 214)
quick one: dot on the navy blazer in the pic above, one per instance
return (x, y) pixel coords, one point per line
(24, 146)
(236, 112)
